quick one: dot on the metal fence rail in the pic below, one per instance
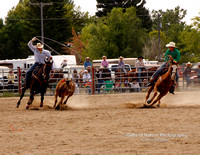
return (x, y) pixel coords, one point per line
(96, 81)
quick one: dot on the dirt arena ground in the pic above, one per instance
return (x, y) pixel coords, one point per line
(102, 124)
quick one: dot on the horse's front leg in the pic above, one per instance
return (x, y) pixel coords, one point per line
(154, 95)
(56, 99)
(30, 100)
(68, 98)
(148, 93)
(158, 99)
(21, 96)
(42, 99)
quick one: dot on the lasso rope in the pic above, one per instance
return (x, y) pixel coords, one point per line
(57, 43)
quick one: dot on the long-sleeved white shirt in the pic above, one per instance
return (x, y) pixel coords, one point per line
(39, 57)
(86, 77)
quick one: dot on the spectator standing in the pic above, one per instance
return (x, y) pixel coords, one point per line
(86, 76)
(121, 64)
(104, 63)
(87, 62)
(198, 73)
(87, 81)
(76, 78)
(11, 78)
(187, 73)
(139, 67)
(100, 80)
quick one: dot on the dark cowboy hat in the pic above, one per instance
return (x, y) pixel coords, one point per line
(140, 57)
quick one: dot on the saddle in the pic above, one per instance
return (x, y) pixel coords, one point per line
(37, 69)
(38, 73)
(162, 73)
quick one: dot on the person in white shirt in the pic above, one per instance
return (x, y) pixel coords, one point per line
(86, 76)
(139, 67)
(40, 55)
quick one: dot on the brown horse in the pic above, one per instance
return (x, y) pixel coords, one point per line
(38, 83)
(163, 85)
(63, 88)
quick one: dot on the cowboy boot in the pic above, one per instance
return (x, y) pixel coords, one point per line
(171, 90)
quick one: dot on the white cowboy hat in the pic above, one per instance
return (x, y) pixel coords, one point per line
(87, 58)
(39, 45)
(104, 56)
(188, 63)
(171, 44)
(121, 57)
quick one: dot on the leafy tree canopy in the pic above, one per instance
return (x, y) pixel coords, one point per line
(116, 34)
(105, 6)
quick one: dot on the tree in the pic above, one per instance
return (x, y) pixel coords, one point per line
(190, 45)
(117, 34)
(196, 21)
(75, 46)
(171, 22)
(105, 6)
(23, 22)
(151, 48)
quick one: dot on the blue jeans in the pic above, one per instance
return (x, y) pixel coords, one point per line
(30, 71)
(161, 68)
(101, 82)
(139, 74)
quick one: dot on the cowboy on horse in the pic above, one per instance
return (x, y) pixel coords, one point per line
(40, 55)
(175, 55)
(38, 75)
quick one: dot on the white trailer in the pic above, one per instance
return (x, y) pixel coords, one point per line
(28, 62)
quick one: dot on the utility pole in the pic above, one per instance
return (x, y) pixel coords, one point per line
(41, 5)
(159, 26)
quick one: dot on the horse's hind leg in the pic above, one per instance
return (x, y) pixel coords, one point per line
(61, 102)
(21, 96)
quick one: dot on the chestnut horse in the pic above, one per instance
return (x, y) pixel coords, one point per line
(38, 83)
(64, 88)
(163, 84)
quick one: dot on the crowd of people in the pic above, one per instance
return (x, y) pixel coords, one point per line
(103, 78)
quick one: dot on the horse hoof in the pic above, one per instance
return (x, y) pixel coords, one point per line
(27, 107)
(41, 105)
(148, 101)
(57, 107)
(158, 106)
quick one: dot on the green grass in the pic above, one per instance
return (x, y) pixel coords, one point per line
(9, 94)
